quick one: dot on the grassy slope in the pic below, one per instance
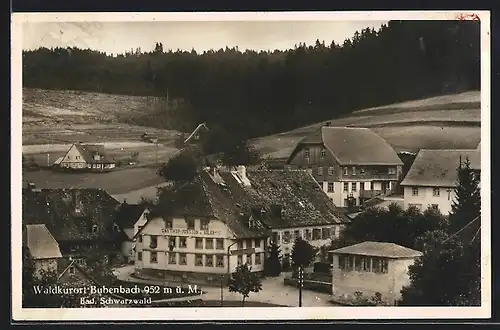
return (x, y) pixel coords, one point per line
(450, 121)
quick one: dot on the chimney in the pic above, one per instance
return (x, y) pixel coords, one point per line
(328, 123)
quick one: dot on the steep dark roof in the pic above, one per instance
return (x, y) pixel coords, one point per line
(56, 209)
(128, 214)
(438, 168)
(353, 146)
(41, 244)
(89, 150)
(295, 192)
(379, 249)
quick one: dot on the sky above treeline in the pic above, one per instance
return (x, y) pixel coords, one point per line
(119, 37)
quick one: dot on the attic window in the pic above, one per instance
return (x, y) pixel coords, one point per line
(94, 228)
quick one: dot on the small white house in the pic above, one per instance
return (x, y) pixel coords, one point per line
(432, 178)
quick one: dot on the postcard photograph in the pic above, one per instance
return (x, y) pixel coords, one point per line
(232, 166)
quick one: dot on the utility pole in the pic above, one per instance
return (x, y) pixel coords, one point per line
(301, 283)
(221, 291)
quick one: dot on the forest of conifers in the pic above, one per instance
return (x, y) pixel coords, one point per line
(258, 93)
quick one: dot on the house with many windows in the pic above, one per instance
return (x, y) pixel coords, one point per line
(371, 267)
(432, 177)
(226, 217)
(350, 163)
(86, 157)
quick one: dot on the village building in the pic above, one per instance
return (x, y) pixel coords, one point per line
(351, 164)
(432, 178)
(371, 267)
(197, 134)
(225, 218)
(82, 221)
(43, 250)
(131, 218)
(86, 157)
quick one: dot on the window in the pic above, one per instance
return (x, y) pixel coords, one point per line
(435, 192)
(368, 186)
(204, 224)
(346, 186)
(323, 153)
(220, 260)
(308, 235)
(345, 171)
(198, 243)
(198, 260)
(153, 257)
(365, 264)
(171, 242)
(209, 260)
(140, 238)
(316, 234)
(139, 256)
(248, 243)
(330, 170)
(325, 233)
(153, 243)
(357, 263)
(361, 171)
(220, 243)
(415, 191)
(182, 242)
(249, 259)
(380, 265)
(190, 223)
(79, 261)
(306, 153)
(258, 259)
(172, 258)
(94, 229)
(286, 237)
(435, 206)
(346, 262)
(330, 187)
(240, 259)
(168, 223)
(320, 170)
(391, 170)
(209, 243)
(72, 270)
(258, 243)
(296, 234)
(182, 259)
(240, 245)
(353, 170)
(354, 186)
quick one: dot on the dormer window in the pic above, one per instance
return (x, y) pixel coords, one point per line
(323, 153)
(94, 229)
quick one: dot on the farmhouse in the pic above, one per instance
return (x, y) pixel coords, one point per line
(225, 218)
(82, 221)
(433, 176)
(351, 164)
(131, 218)
(196, 135)
(87, 157)
(371, 267)
(43, 250)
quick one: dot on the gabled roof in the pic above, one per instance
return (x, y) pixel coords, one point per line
(196, 130)
(438, 168)
(379, 249)
(89, 150)
(40, 242)
(353, 146)
(128, 214)
(55, 208)
(294, 191)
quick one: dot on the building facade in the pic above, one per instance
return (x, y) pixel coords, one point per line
(86, 157)
(432, 178)
(130, 218)
(43, 250)
(348, 163)
(371, 267)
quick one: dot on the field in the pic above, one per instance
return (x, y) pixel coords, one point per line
(451, 121)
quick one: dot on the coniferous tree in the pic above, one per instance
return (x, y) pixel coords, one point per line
(273, 261)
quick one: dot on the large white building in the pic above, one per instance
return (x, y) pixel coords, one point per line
(226, 218)
(432, 178)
